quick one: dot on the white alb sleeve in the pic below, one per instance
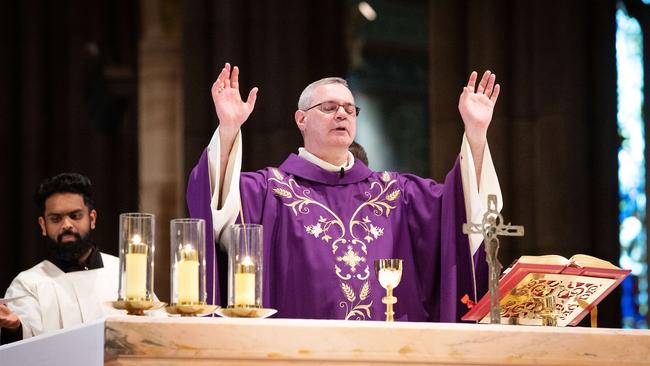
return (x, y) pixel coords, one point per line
(475, 194)
(27, 307)
(224, 208)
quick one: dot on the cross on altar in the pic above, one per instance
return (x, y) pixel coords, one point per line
(491, 228)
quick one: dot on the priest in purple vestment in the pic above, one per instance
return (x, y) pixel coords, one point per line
(327, 216)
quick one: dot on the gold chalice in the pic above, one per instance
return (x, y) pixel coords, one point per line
(389, 273)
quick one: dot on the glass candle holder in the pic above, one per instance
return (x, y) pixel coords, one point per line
(245, 266)
(137, 246)
(187, 237)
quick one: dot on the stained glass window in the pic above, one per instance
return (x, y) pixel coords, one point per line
(631, 169)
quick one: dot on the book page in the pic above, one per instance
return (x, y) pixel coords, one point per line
(581, 260)
(572, 294)
(584, 260)
(544, 259)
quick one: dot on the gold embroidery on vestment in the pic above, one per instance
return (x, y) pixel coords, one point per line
(380, 202)
(277, 174)
(351, 258)
(338, 273)
(365, 275)
(356, 311)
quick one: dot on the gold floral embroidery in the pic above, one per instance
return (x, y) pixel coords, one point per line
(314, 230)
(378, 199)
(351, 258)
(277, 174)
(379, 207)
(365, 275)
(347, 276)
(282, 193)
(300, 204)
(392, 196)
(356, 311)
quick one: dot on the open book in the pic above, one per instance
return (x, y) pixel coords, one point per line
(576, 285)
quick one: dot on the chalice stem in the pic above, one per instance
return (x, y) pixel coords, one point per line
(389, 273)
(389, 305)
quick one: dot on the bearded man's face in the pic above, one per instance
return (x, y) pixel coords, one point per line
(66, 225)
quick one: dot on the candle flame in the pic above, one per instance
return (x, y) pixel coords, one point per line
(188, 253)
(247, 261)
(136, 239)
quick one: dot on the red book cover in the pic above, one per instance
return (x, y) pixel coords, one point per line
(577, 284)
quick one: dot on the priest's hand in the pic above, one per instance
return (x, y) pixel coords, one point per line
(232, 111)
(8, 319)
(476, 105)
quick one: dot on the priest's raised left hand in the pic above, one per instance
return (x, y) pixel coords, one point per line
(476, 105)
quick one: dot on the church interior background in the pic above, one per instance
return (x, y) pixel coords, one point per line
(119, 90)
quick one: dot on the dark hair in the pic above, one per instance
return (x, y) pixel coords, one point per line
(358, 152)
(65, 183)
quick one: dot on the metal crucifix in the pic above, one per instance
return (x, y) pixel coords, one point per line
(491, 228)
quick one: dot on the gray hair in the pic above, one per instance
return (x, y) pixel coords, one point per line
(304, 101)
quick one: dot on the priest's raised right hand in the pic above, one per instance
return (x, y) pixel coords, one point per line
(231, 110)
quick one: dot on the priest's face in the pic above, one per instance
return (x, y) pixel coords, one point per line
(67, 221)
(329, 128)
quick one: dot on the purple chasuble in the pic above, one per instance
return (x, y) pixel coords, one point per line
(323, 231)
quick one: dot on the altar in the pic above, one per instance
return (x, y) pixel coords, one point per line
(132, 340)
(200, 341)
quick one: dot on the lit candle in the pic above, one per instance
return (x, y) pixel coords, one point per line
(245, 283)
(136, 269)
(188, 276)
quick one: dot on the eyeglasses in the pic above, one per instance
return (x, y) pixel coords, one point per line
(331, 107)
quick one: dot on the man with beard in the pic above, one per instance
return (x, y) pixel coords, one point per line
(73, 284)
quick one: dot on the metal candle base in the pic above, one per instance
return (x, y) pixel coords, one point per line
(191, 310)
(137, 307)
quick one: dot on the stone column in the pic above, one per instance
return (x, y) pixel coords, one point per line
(160, 128)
